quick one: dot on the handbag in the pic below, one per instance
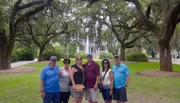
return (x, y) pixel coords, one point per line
(80, 87)
(100, 85)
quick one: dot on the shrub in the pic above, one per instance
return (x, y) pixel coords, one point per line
(22, 54)
(48, 54)
(138, 57)
(14, 56)
(104, 55)
(82, 54)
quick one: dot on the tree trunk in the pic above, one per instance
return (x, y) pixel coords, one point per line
(5, 52)
(153, 54)
(5, 62)
(165, 56)
(40, 55)
(122, 54)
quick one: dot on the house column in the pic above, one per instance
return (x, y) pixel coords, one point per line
(87, 45)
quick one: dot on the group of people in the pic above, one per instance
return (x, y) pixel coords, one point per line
(57, 84)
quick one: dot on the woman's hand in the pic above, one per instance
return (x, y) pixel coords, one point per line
(111, 92)
(74, 87)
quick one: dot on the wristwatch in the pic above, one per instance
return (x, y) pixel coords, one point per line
(42, 91)
(126, 85)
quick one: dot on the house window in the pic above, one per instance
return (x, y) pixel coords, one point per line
(102, 48)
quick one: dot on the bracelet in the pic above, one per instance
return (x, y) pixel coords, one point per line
(42, 91)
(126, 85)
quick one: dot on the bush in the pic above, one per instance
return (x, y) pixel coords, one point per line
(138, 57)
(14, 56)
(48, 54)
(104, 55)
(82, 54)
(22, 54)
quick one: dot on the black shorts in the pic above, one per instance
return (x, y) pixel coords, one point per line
(120, 94)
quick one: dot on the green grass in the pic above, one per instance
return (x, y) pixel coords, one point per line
(24, 88)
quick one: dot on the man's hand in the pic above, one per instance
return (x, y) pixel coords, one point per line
(43, 94)
(95, 87)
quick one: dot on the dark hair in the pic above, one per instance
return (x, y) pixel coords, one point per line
(103, 64)
(67, 59)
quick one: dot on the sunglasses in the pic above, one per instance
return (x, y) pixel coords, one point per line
(105, 63)
(53, 59)
(66, 63)
(78, 58)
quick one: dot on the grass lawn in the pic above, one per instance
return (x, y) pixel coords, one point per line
(24, 88)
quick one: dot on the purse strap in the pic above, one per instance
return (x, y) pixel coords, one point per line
(105, 74)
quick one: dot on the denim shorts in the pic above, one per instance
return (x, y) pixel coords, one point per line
(105, 94)
(120, 94)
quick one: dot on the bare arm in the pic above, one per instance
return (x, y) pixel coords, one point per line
(98, 75)
(42, 89)
(97, 80)
(111, 79)
(72, 71)
(127, 80)
(41, 85)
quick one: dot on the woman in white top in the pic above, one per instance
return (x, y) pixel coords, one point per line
(64, 81)
(107, 81)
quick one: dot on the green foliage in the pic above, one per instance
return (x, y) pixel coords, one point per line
(63, 50)
(138, 57)
(82, 54)
(132, 51)
(104, 55)
(49, 53)
(22, 54)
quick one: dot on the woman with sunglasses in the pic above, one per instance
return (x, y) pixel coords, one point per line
(107, 81)
(77, 77)
(64, 81)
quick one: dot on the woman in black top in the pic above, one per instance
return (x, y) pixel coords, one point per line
(77, 77)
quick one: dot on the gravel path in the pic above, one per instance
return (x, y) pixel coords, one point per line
(20, 63)
(174, 61)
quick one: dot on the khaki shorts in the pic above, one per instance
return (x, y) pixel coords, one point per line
(91, 95)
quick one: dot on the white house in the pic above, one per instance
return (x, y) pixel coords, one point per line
(89, 46)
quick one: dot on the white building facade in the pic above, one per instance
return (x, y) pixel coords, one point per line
(89, 46)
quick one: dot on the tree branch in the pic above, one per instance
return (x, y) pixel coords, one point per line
(138, 37)
(31, 12)
(32, 35)
(172, 22)
(143, 18)
(48, 28)
(30, 4)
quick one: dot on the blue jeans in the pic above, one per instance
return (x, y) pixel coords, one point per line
(53, 97)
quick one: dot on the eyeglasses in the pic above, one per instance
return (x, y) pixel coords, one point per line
(66, 63)
(78, 58)
(105, 63)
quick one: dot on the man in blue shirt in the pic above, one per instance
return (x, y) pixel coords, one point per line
(49, 82)
(121, 80)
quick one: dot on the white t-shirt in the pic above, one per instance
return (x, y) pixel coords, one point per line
(106, 80)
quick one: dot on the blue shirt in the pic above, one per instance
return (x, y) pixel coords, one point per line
(50, 76)
(121, 72)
